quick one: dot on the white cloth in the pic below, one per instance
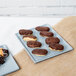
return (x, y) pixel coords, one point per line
(10, 25)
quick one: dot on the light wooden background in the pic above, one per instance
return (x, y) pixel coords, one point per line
(48, 8)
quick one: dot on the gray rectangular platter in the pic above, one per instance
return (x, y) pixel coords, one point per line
(41, 39)
(9, 66)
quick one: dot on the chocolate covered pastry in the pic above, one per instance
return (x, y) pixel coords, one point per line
(33, 44)
(40, 52)
(25, 32)
(3, 54)
(41, 28)
(52, 40)
(56, 46)
(46, 34)
(29, 38)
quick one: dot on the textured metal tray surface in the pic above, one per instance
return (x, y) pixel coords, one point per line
(10, 65)
(41, 39)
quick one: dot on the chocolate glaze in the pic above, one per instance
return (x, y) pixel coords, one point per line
(56, 46)
(25, 32)
(52, 40)
(33, 44)
(40, 28)
(2, 58)
(40, 51)
(30, 36)
(47, 34)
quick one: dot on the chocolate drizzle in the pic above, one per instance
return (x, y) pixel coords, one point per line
(40, 51)
(25, 32)
(47, 34)
(33, 44)
(56, 46)
(40, 28)
(52, 40)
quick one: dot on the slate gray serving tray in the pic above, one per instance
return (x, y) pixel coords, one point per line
(41, 39)
(10, 65)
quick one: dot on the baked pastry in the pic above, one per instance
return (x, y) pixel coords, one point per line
(56, 46)
(41, 28)
(29, 38)
(25, 32)
(33, 44)
(46, 34)
(3, 54)
(40, 52)
(52, 40)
